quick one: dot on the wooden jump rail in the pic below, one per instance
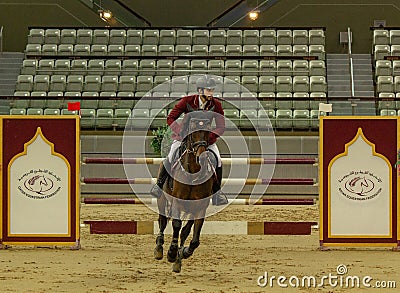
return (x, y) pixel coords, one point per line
(210, 227)
(229, 181)
(264, 201)
(225, 161)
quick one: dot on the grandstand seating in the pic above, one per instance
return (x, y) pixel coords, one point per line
(126, 64)
(386, 51)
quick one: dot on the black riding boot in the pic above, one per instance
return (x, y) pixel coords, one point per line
(163, 174)
(218, 198)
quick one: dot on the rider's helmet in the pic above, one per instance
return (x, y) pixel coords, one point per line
(206, 82)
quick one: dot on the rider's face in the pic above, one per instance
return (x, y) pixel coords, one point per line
(208, 93)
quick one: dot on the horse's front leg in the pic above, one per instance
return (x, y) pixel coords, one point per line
(162, 224)
(173, 249)
(185, 232)
(195, 242)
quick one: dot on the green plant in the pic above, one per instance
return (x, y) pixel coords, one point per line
(161, 142)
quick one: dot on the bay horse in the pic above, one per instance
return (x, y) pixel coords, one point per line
(189, 194)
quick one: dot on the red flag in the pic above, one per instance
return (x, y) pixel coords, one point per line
(74, 106)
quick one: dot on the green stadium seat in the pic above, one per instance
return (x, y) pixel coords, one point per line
(234, 37)
(300, 37)
(36, 36)
(41, 83)
(49, 50)
(167, 37)
(24, 82)
(134, 37)
(381, 37)
(101, 37)
(98, 50)
(65, 50)
(51, 111)
(88, 118)
(34, 111)
(104, 118)
(117, 37)
(82, 50)
(184, 37)
(84, 36)
(92, 83)
(17, 111)
(218, 37)
(301, 119)
(316, 37)
(268, 37)
(132, 50)
(284, 37)
(79, 67)
(150, 37)
(62, 67)
(121, 116)
(284, 118)
(29, 66)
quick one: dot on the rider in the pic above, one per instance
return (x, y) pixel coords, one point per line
(204, 100)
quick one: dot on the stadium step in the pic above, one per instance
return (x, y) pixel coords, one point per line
(10, 67)
(338, 76)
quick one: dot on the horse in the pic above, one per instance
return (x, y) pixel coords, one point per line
(188, 195)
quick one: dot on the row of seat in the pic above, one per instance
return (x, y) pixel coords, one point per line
(386, 37)
(382, 51)
(180, 36)
(317, 51)
(110, 118)
(388, 84)
(173, 67)
(144, 83)
(387, 67)
(230, 101)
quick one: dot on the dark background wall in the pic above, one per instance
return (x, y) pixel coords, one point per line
(336, 15)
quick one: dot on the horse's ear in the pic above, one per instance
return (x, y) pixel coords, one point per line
(190, 109)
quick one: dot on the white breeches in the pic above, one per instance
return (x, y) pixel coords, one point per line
(176, 144)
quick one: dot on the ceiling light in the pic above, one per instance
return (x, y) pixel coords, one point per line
(105, 14)
(253, 15)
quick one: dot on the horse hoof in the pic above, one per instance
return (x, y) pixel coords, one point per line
(158, 252)
(177, 266)
(171, 258)
(186, 253)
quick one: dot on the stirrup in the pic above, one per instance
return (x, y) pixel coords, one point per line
(219, 199)
(156, 191)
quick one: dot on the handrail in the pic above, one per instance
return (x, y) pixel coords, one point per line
(350, 63)
(1, 40)
(351, 69)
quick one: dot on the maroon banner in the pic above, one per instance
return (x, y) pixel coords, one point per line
(358, 181)
(40, 159)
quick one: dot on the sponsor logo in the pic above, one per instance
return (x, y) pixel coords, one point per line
(39, 184)
(360, 185)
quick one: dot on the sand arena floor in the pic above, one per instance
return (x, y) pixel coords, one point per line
(125, 263)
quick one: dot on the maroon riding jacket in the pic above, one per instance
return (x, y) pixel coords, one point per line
(193, 101)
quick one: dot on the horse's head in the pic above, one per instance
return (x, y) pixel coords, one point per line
(197, 129)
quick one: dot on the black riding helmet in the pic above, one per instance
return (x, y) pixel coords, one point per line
(206, 82)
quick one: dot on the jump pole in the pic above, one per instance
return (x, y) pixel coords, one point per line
(229, 181)
(236, 201)
(209, 227)
(225, 161)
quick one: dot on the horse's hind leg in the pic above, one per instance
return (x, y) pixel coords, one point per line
(195, 242)
(173, 249)
(162, 224)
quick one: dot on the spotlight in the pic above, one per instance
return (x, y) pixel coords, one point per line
(253, 15)
(105, 14)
